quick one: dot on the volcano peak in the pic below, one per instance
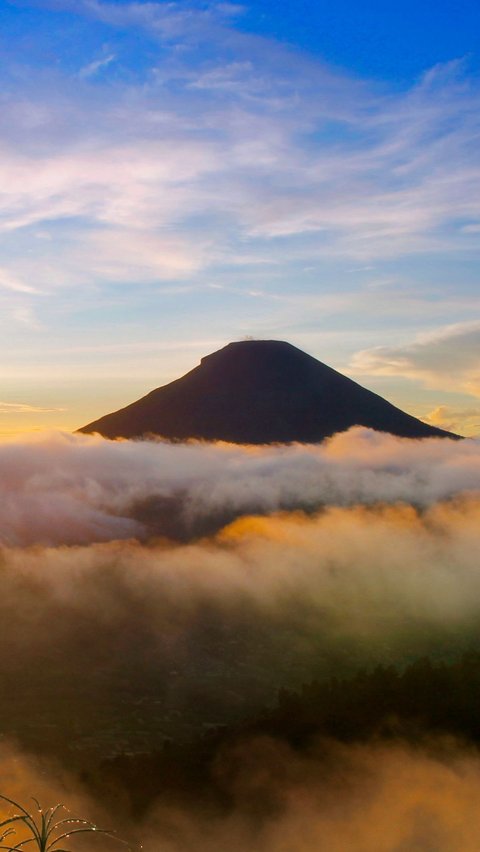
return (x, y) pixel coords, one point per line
(259, 392)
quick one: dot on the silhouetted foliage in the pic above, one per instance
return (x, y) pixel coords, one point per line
(425, 698)
(44, 828)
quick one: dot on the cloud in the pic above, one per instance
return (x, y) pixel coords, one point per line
(170, 21)
(258, 152)
(465, 421)
(447, 359)
(341, 798)
(354, 800)
(11, 282)
(362, 550)
(23, 408)
(96, 65)
(77, 489)
(207, 631)
(309, 586)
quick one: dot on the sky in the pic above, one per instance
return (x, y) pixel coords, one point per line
(178, 175)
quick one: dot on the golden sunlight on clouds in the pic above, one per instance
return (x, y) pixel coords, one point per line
(461, 421)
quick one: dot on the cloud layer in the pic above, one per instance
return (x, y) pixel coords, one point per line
(362, 551)
(332, 799)
(80, 489)
(364, 798)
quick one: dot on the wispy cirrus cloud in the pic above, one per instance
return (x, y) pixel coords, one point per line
(261, 145)
(96, 65)
(13, 282)
(171, 20)
(24, 408)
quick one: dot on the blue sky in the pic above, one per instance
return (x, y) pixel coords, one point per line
(179, 175)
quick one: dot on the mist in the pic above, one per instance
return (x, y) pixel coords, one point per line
(152, 592)
(340, 798)
(76, 489)
(336, 798)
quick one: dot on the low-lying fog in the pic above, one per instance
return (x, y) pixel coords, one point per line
(154, 590)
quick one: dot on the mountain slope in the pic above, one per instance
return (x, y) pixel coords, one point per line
(259, 391)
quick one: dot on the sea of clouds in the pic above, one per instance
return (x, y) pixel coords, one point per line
(79, 489)
(245, 569)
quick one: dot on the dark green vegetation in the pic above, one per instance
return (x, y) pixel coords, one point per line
(424, 701)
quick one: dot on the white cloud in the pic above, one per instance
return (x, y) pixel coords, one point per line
(96, 65)
(127, 255)
(82, 479)
(258, 150)
(171, 21)
(12, 282)
(448, 358)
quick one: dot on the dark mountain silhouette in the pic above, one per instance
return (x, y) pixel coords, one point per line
(259, 392)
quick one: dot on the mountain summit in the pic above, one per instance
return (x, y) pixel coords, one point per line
(259, 392)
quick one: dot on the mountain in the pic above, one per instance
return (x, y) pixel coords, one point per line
(259, 392)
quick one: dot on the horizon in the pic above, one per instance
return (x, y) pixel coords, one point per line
(237, 170)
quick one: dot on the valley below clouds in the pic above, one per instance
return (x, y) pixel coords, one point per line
(156, 594)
